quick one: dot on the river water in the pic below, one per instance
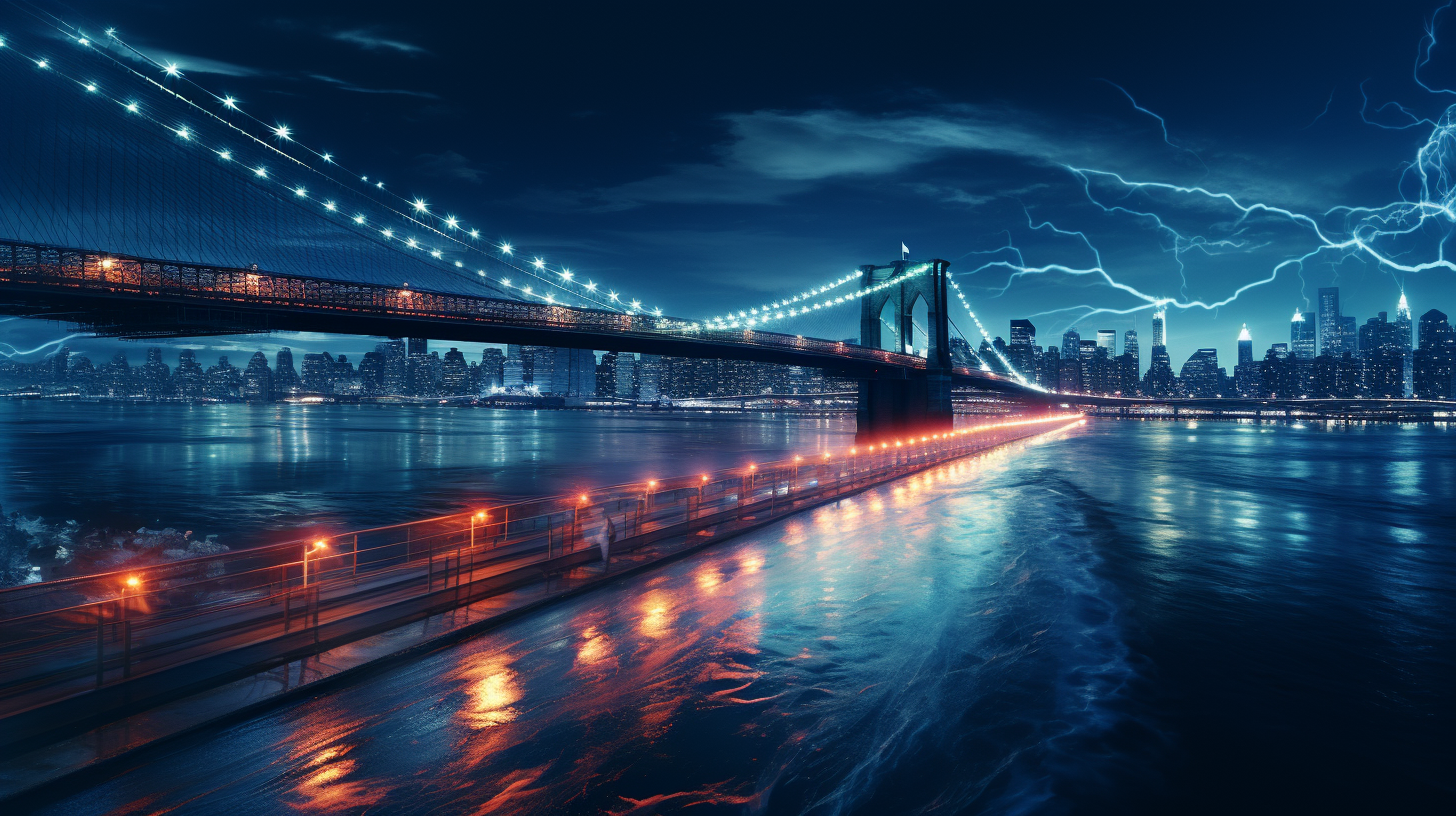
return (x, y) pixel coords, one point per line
(1130, 617)
(252, 474)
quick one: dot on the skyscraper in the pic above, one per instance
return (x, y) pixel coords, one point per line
(1023, 333)
(1301, 337)
(285, 376)
(1200, 375)
(1435, 360)
(1329, 321)
(1160, 318)
(1403, 339)
(1247, 378)
(1071, 345)
(1107, 339)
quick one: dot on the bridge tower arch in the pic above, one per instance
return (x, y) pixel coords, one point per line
(906, 401)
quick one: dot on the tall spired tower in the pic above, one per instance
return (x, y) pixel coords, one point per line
(1403, 329)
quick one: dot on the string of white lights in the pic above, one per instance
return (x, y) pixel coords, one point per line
(731, 319)
(777, 311)
(559, 278)
(987, 336)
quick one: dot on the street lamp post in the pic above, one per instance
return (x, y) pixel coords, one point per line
(317, 545)
(480, 517)
(131, 584)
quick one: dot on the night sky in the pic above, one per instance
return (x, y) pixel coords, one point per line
(703, 156)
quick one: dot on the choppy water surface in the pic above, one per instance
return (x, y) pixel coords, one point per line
(245, 472)
(1130, 618)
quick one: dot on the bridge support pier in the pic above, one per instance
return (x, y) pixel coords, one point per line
(890, 407)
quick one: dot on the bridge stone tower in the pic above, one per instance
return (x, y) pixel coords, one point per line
(913, 401)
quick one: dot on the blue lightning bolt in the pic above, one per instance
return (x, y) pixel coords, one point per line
(1403, 237)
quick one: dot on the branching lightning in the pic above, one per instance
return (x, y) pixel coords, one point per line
(1405, 236)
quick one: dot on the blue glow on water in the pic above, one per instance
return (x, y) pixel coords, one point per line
(1113, 621)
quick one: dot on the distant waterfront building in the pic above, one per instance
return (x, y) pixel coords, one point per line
(1404, 340)
(1276, 373)
(1107, 339)
(1023, 333)
(285, 376)
(1247, 376)
(257, 379)
(1434, 360)
(454, 374)
(1071, 345)
(1301, 337)
(492, 370)
(1160, 338)
(1200, 376)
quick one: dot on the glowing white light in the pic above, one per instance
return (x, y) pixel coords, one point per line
(412, 243)
(506, 281)
(420, 205)
(387, 233)
(299, 191)
(435, 253)
(329, 157)
(359, 219)
(591, 287)
(636, 304)
(225, 155)
(172, 69)
(230, 103)
(475, 233)
(566, 274)
(182, 132)
(526, 289)
(261, 171)
(506, 248)
(111, 32)
(91, 86)
(363, 178)
(41, 63)
(538, 263)
(83, 41)
(480, 272)
(451, 222)
(458, 264)
(2, 42)
(281, 132)
(379, 184)
(657, 312)
(550, 299)
(613, 296)
(330, 206)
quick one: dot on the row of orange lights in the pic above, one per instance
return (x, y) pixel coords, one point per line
(133, 582)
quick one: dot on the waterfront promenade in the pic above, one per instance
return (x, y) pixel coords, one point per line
(82, 651)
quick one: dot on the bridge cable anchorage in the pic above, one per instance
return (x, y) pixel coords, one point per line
(441, 225)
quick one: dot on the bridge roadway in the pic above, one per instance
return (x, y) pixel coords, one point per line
(78, 649)
(138, 298)
(1255, 407)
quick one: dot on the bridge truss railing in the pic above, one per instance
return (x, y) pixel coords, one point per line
(67, 637)
(80, 272)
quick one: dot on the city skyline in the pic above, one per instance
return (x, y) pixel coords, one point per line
(969, 162)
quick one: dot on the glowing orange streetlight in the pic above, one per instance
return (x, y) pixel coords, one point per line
(480, 517)
(317, 545)
(131, 583)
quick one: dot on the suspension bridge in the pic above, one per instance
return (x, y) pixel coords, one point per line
(136, 202)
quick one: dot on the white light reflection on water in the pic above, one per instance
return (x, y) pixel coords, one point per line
(1001, 640)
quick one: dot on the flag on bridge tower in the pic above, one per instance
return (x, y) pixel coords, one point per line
(904, 251)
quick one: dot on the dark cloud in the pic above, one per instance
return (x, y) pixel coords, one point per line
(449, 165)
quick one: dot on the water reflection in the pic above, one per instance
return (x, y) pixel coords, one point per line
(999, 636)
